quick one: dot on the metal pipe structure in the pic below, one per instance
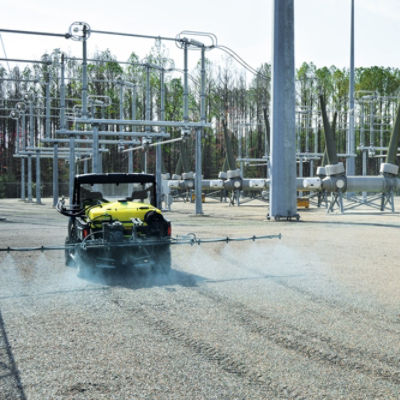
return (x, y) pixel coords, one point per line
(199, 135)
(84, 72)
(38, 198)
(158, 146)
(165, 124)
(283, 143)
(55, 175)
(95, 158)
(47, 129)
(130, 155)
(148, 111)
(350, 161)
(71, 167)
(111, 133)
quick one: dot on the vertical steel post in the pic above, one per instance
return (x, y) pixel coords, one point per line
(23, 145)
(84, 74)
(363, 151)
(148, 111)
(62, 93)
(95, 155)
(71, 167)
(47, 129)
(121, 104)
(22, 178)
(130, 153)
(31, 144)
(185, 83)
(158, 146)
(38, 198)
(283, 143)
(29, 178)
(240, 137)
(350, 160)
(55, 174)
(199, 135)
(17, 135)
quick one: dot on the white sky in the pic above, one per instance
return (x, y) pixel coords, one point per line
(322, 27)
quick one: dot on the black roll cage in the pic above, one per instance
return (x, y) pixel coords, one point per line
(92, 179)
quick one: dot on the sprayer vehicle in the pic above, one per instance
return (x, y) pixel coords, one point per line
(114, 223)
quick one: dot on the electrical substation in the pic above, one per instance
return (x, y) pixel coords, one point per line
(172, 228)
(78, 131)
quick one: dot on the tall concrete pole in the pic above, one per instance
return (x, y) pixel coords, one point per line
(283, 142)
(350, 161)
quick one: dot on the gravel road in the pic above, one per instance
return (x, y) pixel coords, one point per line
(314, 315)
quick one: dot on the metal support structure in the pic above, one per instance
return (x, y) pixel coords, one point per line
(148, 111)
(62, 93)
(350, 160)
(95, 158)
(158, 146)
(38, 183)
(84, 73)
(130, 154)
(71, 167)
(199, 135)
(29, 178)
(47, 129)
(23, 145)
(23, 195)
(283, 143)
(55, 175)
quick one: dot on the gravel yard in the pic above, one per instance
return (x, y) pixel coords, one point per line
(313, 315)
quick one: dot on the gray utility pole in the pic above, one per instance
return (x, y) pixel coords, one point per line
(283, 143)
(350, 161)
(199, 135)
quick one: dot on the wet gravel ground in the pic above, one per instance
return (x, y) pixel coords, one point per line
(314, 315)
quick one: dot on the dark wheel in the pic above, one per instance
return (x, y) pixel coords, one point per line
(162, 259)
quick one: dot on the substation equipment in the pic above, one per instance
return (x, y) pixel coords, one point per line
(80, 132)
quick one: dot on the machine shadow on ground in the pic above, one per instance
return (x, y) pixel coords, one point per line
(141, 279)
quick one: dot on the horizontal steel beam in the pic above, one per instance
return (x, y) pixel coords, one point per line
(90, 141)
(172, 124)
(114, 133)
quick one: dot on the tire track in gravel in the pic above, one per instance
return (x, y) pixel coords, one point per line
(224, 360)
(10, 381)
(303, 342)
(342, 308)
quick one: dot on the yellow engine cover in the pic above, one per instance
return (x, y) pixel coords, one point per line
(122, 211)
